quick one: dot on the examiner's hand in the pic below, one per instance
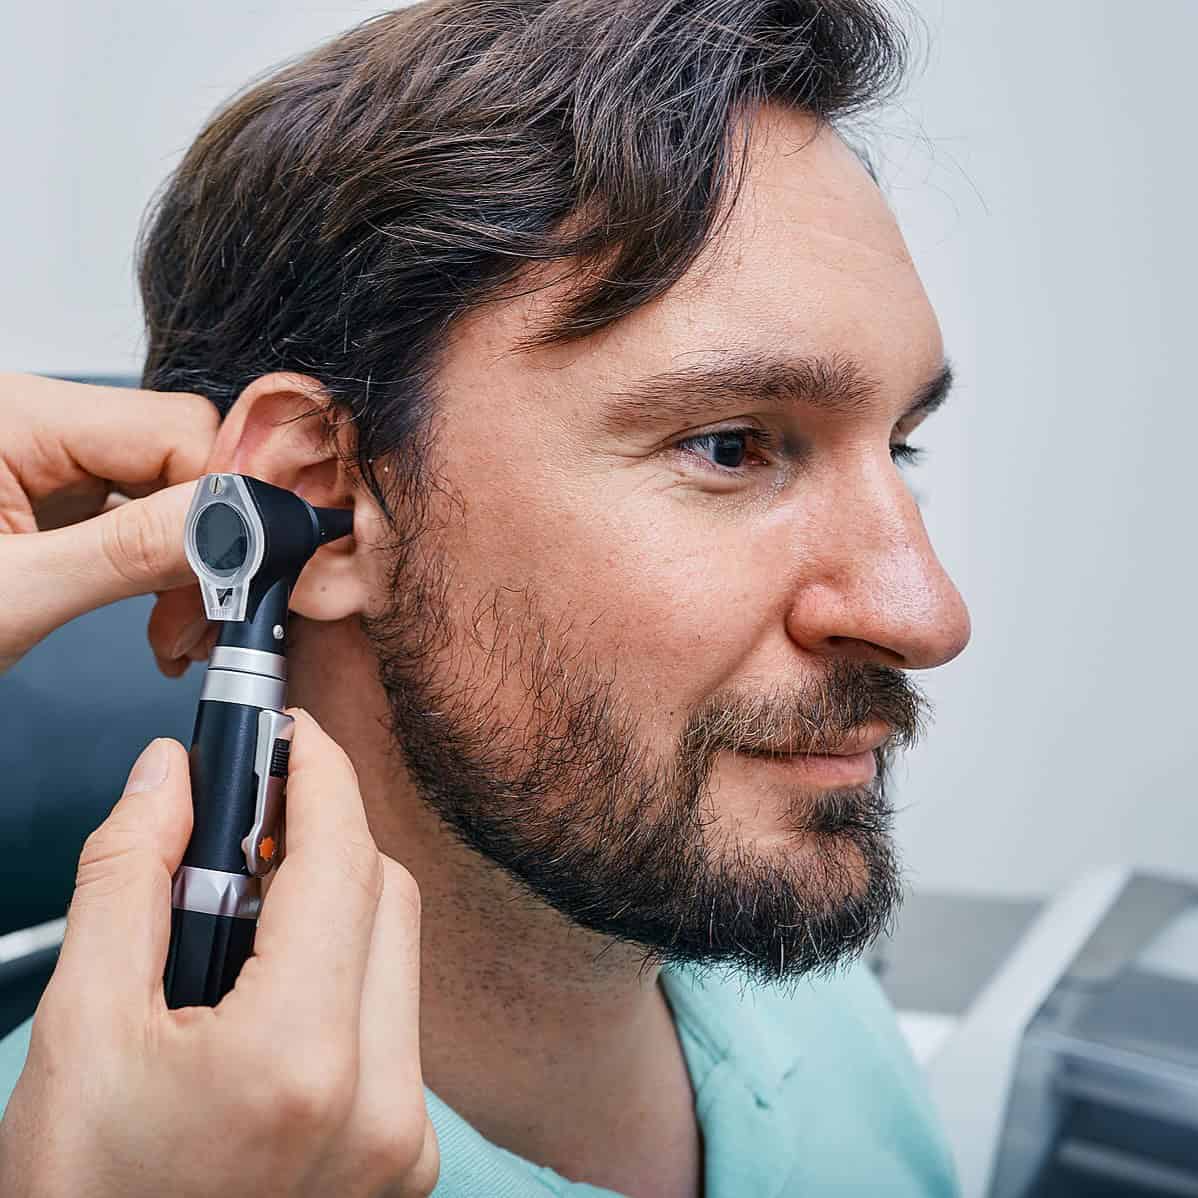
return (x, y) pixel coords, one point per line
(68, 453)
(304, 1080)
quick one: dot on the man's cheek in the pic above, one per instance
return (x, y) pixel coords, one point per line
(653, 596)
(670, 643)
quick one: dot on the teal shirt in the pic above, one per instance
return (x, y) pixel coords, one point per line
(802, 1093)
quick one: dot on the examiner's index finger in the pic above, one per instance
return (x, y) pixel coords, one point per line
(131, 436)
(134, 439)
(313, 937)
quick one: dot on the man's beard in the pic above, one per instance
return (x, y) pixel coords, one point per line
(574, 805)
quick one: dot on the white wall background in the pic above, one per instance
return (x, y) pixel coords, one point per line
(1042, 169)
(1052, 217)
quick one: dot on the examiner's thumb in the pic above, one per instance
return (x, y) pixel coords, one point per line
(141, 541)
(154, 810)
(52, 577)
(118, 923)
(132, 548)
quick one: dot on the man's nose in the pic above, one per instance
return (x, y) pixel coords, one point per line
(873, 588)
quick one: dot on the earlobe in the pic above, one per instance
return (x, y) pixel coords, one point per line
(333, 584)
(284, 430)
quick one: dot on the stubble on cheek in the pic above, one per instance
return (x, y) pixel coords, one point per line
(483, 667)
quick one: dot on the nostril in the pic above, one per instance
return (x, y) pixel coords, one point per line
(852, 646)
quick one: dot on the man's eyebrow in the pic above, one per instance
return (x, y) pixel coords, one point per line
(933, 393)
(832, 384)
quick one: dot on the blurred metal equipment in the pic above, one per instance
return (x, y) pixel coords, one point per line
(1075, 1072)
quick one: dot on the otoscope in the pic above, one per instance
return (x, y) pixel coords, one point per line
(247, 542)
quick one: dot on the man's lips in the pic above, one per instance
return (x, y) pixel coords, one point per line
(851, 763)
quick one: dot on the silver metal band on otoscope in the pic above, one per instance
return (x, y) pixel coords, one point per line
(251, 677)
(249, 661)
(215, 892)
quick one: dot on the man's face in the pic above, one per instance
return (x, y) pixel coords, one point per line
(654, 558)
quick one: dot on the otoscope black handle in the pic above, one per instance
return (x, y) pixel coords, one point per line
(239, 754)
(215, 898)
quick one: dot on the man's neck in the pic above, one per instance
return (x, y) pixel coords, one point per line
(548, 1040)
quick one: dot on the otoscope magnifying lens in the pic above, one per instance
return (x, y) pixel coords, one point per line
(222, 538)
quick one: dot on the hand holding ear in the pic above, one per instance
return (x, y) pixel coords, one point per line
(95, 484)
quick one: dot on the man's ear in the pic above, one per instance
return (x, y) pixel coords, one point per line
(284, 430)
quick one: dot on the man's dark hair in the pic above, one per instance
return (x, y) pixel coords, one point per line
(336, 217)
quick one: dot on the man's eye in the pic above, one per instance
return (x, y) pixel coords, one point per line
(728, 448)
(906, 455)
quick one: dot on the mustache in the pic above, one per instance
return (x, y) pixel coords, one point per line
(818, 718)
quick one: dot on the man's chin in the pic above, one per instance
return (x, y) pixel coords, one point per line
(807, 878)
(797, 883)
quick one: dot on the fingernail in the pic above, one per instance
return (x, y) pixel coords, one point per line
(189, 637)
(202, 649)
(150, 769)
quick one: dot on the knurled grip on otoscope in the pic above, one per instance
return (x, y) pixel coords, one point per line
(247, 541)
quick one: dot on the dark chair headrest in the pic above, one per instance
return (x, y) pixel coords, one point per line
(74, 714)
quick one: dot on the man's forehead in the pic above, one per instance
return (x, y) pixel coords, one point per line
(803, 177)
(810, 261)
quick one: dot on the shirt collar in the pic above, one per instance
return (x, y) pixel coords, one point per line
(721, 1020)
